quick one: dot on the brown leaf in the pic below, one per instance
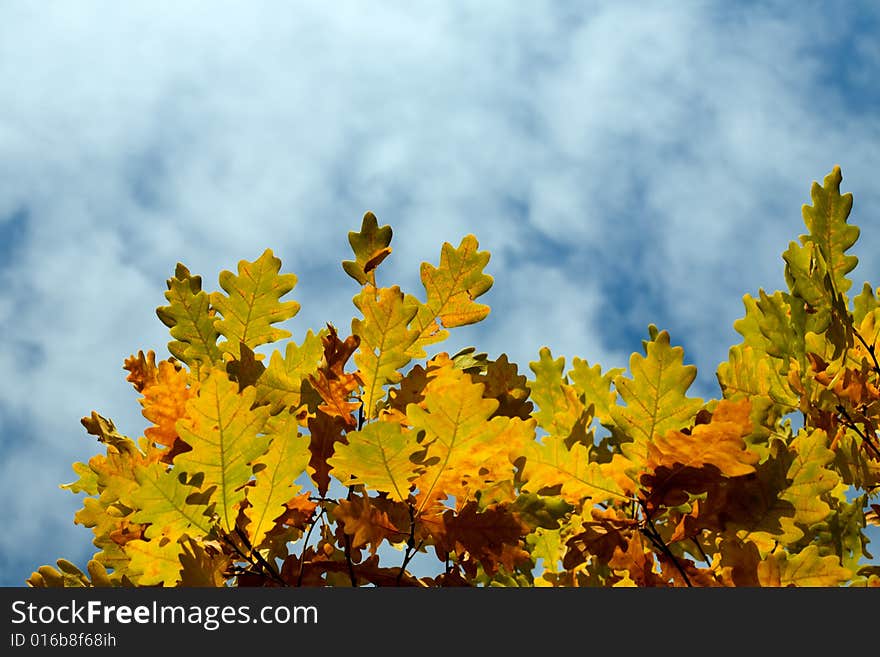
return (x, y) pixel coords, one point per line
(325, 431)
(142, 370)
(369, 521)
(332, 383)
(637, 562)
(492, 537)
(246, 369)
(504, 383)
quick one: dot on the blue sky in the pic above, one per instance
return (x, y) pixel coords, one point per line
(624, 163)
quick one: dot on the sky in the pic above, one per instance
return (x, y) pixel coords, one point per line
(624, 163)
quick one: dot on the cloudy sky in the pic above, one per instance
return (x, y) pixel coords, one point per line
(624, 163)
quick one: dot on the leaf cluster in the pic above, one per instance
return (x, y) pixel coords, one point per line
(337, 460)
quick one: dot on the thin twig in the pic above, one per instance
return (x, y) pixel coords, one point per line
(302, 559)
(654, 536)
(852, 425)
(411, 547)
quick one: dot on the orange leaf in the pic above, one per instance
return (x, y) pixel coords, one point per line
(719, 443)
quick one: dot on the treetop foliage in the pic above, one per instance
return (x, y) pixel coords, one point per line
(302, 468)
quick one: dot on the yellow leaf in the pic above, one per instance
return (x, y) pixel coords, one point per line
(276, 472)
(806, 568)
(222, 428)
(451, 289)
(251, 304)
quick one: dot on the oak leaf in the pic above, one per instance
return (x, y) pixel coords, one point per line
(275, 474)
(371, 245)
(654, 399)
(826, 219)
(466, 450)
(161, 500)
(384, 340)
(191, 318)
(719, 443)
(281, 385)
(381, 456)
(451, 289)
(223, 430)
(806, 568)
(252, 304)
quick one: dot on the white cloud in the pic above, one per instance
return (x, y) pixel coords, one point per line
(665, 150)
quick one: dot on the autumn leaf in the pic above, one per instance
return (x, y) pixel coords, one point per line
(655, 400)
(155, 562)
(191, 319)
(552, 464)
(370, 521)
(719, 443)
(381, 456)
(142, 369)
(384, 340)
(451, 289)
(326, 434)
(161, 500)
(490, 536)
(275, 474)
(164, 403)
(252, 303)
(504, 383)
(466, 450)
(335, 386)
(223, 428)
(202, 565)
(806, 568)
(371, 245)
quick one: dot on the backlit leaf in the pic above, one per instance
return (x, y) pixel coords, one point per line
(654, 399)
(380, 456)
(252, 303)
(223, 431)
(451, 292)
(191, 319)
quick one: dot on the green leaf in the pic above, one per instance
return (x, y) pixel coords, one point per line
(767, 324)
(222, 428)
(559, 407)
(829, 231)
(805, 273)
(864, 303)
(807, 568)
(381, 456)
(161, 500)
(281, 384)
(594, 387)
(87, 482)
(810, 479)
(251, 303)
(191, 320)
